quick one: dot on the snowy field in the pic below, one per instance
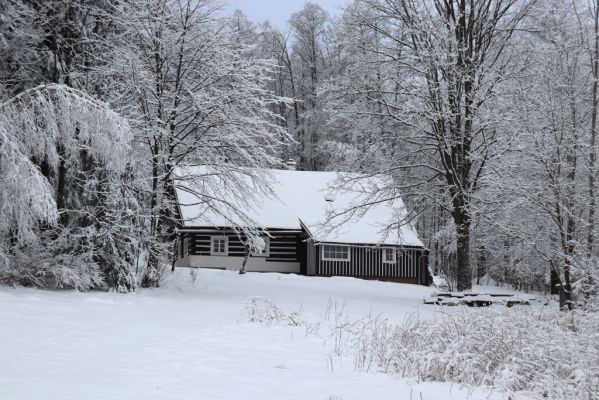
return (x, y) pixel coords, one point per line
(193, 341)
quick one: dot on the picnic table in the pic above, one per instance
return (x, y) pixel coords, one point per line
(472, 299)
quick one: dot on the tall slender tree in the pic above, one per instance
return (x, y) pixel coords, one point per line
(309, 27)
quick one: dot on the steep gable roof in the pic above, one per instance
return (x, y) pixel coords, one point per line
(298, 199)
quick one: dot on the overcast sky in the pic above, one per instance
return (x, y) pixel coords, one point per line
(278, 11)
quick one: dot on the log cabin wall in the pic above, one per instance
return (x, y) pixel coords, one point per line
(284, 245)
(288, 247)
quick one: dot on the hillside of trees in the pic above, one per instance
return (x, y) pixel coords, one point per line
(483, 112)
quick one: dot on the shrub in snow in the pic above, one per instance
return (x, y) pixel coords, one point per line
(551, 355)
(538, 353)
(154, 275)
(265, 311)
(193, 275)
(119, 275)
(37, 267)
(262, 310)
(586, 283)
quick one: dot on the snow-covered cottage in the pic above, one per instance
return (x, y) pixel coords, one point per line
(290, 221)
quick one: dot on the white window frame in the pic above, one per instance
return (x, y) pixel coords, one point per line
(215, 253)
(324, 258)
(394, 252)
(266, 252)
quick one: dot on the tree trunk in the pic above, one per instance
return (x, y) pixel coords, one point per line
(245, 260)
(463, 270)
(150, 278)
(565, 298)
(462, 221)
(61, 186)
(592, 146)
(554, 281)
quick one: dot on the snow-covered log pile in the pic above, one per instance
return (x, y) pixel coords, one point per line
(476, 299)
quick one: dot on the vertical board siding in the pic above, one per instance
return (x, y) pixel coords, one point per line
(368, 262)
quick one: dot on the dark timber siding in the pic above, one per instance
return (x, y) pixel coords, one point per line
(283, 245)
(367, 262)
(312, 258)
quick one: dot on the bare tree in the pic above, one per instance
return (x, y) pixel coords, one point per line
(309, 28)
(552, 109)
(196, 94)
(444, 60)
(592, 174)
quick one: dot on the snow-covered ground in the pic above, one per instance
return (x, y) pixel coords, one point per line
(190, 341)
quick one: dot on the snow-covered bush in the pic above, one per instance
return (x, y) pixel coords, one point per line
(193, 275)
(37, 266)
(540, 352)
(68, 215)
(586, 283)
(264, 311)
(26, 197)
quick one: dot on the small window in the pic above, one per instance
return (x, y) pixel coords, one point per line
(389, 255)
(337, 253)
(265, 251)
(219, 246)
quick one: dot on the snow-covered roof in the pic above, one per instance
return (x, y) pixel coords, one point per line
(208, 198)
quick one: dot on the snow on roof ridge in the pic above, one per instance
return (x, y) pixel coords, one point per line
(302, 199)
